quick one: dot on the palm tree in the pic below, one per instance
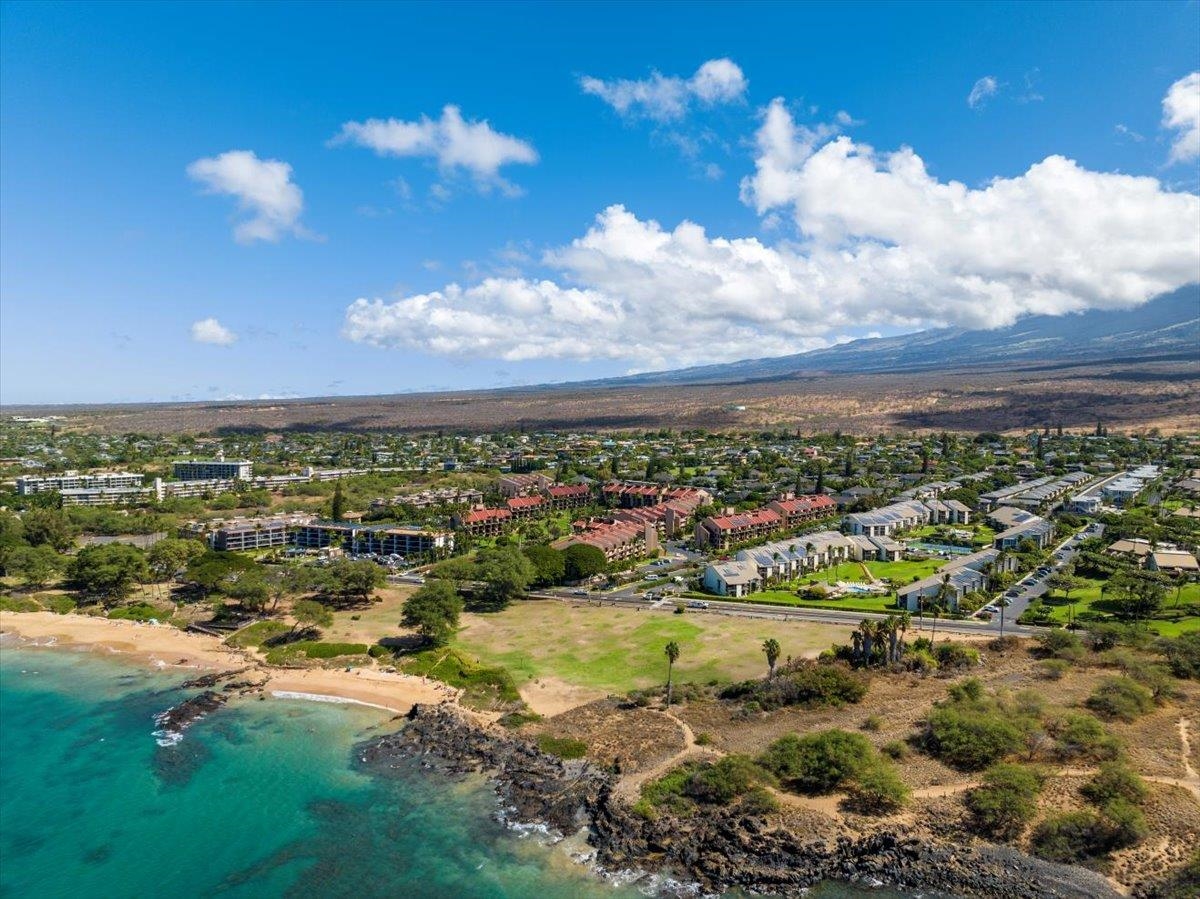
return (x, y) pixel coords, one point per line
(771, 648)
(944, 594)
(672, 651)
(867, 628)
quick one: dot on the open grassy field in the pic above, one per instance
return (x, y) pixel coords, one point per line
(617, 649)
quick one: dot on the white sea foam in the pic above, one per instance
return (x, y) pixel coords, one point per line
(323, 697)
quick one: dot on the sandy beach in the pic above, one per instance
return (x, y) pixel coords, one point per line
(166, 648)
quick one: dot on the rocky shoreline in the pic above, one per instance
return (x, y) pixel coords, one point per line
(718, 851)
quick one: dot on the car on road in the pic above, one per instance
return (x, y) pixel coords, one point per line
(579, 593)
(993, 608)
(697, 604)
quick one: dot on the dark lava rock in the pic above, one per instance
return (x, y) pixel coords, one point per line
(718, 849)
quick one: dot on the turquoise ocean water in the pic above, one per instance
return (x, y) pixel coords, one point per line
(260, 800)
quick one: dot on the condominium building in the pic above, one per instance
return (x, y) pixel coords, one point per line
(719, 532)
(212, 469)
(381, 539)
(522, 484)
(483, 522)
(526, 506)
(795, 510)
(568, 496)
(888, 520)
(954, 580)
(104, 496)
(250, 534)
(73, 480)
(618, 540)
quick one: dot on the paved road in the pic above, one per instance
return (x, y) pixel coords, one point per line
(780, 613)
(1032, 586)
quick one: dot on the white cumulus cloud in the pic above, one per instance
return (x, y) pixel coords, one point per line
(981, 90)
(878, 242)
(209, 330)
(455, 143)
(1181, 114)
(667, 98)
(263, 188)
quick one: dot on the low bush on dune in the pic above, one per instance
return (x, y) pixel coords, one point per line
(483, 686)
(1007, 799)
(804, 683)
(1183, 655)
(733, 779)
(822, 762)
(972, 730)
(312, 649)
(1116, 780)
(563, 747)
(1078, 735)
(138, 611)
(1122, 698)
(19, 604)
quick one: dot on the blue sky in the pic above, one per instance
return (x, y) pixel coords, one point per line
(548, 246)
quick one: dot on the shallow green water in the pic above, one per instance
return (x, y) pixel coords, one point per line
(259, 800)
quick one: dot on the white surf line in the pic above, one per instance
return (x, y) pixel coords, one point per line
(336, 700)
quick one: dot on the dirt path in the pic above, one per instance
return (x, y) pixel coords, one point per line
(1190, 780)
(631, 784)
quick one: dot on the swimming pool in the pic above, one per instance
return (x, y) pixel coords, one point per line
(946, 549)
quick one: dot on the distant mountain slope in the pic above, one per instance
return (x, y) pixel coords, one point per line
(1166, 327)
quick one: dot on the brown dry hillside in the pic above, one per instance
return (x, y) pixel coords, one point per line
(1125, 396)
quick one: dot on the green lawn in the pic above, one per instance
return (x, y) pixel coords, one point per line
(618, 649)
(905, 572)
(1089, 606)
(885, 603)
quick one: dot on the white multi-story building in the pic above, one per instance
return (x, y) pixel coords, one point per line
(73, 480)
(212, 470)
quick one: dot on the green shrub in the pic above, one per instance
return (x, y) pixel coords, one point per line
(1121, 697)
(704, 739)
(519, 718)
(1053, 669)
(290, 653)
(563, 747)
(920, 660)
(1116, 780)
(1069, 836)
(877, 789)
(971, 738)
(482, 686)
(19, 604)
(872, 723)
(1183, 655)
(802, 683)
(258, 634)
(896, 749)
(1078, 836)
(379, 652)
(59, 604)
(138, 611)
(1125, 825)
(956, 655)
(734, 778)
(817, 763)
(1006, 801)
(1060, 644)
(1080, 735)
